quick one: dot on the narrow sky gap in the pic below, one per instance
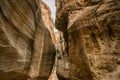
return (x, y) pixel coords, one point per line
(51, 4)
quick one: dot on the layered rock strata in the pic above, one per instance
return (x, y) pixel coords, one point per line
(91, 31)
(26, 47)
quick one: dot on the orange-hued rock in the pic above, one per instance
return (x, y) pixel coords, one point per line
(91, 30)
(48, 21)
(26, 47)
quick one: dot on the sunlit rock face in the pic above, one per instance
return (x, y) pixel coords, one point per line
(26, 47)
(48, 21)
(91, 29)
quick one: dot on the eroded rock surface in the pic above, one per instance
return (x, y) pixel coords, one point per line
(91, 30)
(48, 21)
(26, 47)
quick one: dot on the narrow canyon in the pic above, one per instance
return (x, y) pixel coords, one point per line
(85, 47)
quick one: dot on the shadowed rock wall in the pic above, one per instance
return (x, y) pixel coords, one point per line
(26, 47)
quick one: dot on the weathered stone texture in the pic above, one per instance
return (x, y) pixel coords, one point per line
(48, 21)
(92, 30)
(26, 46)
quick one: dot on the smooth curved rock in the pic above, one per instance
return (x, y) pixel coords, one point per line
(26, 46)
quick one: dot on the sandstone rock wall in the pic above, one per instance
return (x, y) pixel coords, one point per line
(48, 21)
(26, 46)
(91, 29)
